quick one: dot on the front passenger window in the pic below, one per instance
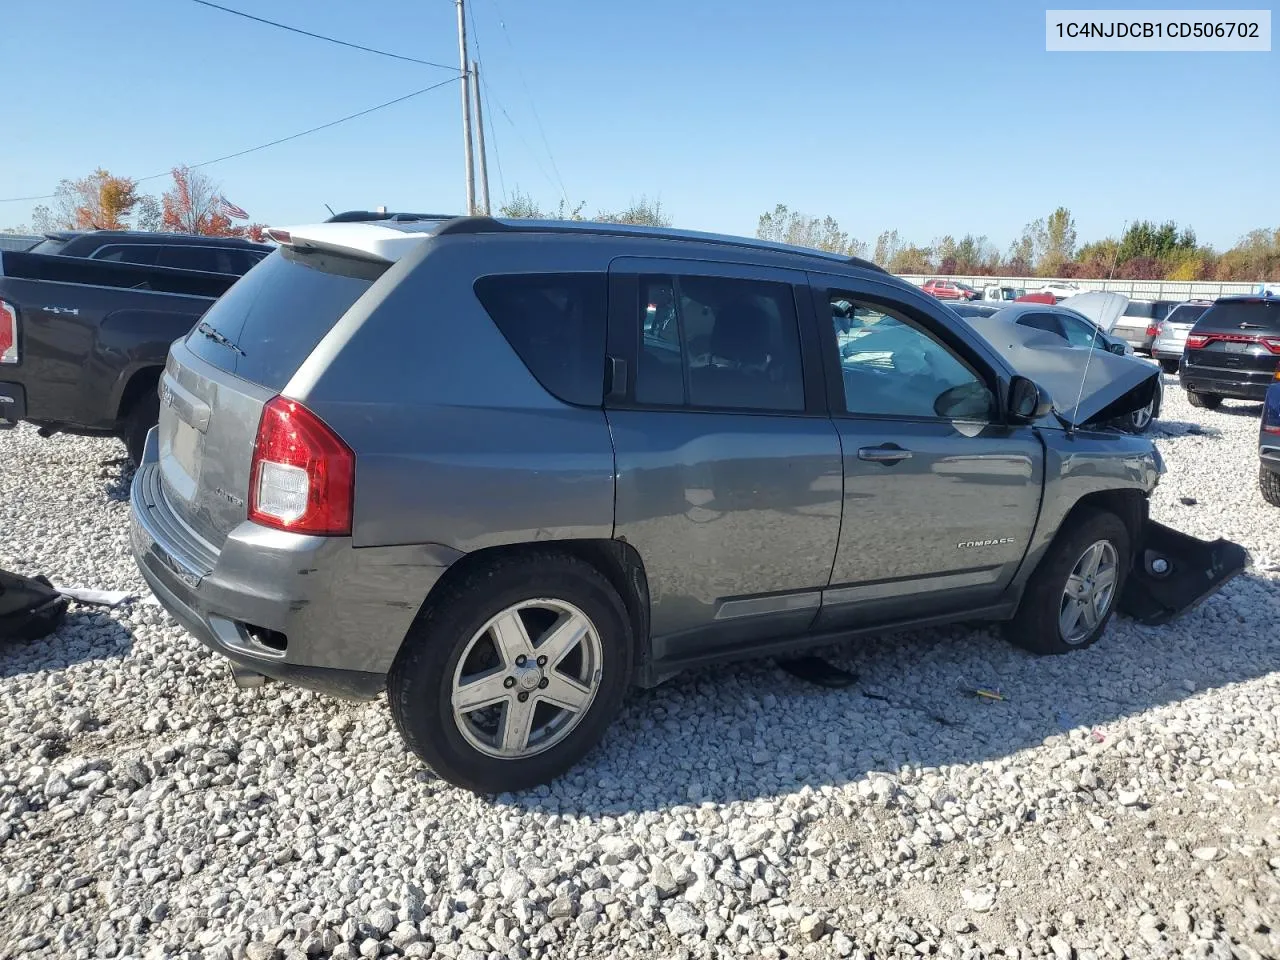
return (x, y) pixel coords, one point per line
(893, 368)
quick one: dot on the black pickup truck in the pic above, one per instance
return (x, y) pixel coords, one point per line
(83, 341)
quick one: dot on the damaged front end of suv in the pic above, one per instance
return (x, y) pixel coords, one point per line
(1090, 391)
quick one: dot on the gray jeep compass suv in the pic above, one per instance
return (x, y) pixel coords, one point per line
(503, 470)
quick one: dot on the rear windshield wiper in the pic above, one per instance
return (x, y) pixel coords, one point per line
(216, 337)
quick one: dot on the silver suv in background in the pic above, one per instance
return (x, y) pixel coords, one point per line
(1171, 333)
(503, 470)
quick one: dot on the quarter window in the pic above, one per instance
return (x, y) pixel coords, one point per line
(556, 324)
(718, 343)
(891, 367)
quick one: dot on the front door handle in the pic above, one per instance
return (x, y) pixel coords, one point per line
(890, 453)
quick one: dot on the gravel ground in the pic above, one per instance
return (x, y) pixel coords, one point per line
(1120, 802)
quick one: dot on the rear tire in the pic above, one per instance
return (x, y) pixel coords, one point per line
(1056, 589)
(454, 647)
(141, 416)
(1169, 366)
(1269, 484)
(1205, 401)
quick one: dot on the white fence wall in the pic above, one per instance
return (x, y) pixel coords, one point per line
(1135, 289)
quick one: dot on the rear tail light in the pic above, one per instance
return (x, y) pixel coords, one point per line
(1153, 329)
(1196, 340)
(8, 333)
(303, 476)
(1271, 343)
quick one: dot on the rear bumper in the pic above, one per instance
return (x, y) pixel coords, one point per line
(1235, 388)
(13, 403)
(342, 612)
(1167, 351)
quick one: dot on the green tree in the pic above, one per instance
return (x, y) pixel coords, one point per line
(643, 213)
(887, 246)
(783, 225)
(911, 259)
(1059, 241)
(521, 206)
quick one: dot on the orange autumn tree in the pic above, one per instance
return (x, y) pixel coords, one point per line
(194, 204)
(99, 201)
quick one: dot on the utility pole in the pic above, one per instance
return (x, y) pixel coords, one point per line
(484, 163)
(466, 108)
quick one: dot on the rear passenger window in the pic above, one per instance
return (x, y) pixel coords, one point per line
(718, 343)
(556, 324)
(1042, 321)
(128, 253)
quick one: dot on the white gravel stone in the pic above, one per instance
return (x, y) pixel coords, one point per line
(150, 809)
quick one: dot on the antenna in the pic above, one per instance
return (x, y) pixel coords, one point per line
(1093, 343)
(330, 209)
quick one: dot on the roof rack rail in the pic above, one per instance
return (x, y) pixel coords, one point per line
(364, 216)
(485, 224)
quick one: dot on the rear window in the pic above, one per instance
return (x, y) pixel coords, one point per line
(1242, 315)
(556, 324)
(1187, 312)
(265, 326)
(52, 247)
(1140, 308)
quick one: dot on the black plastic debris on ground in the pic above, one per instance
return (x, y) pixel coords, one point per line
(30, 607)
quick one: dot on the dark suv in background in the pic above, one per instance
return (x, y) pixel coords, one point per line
(179, 250)
(1232, 351)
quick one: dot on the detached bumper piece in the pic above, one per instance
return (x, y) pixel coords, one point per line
(30, 608)
(1173, 572)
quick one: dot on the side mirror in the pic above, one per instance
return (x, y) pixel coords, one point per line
(1027, 402)
(1117, 348)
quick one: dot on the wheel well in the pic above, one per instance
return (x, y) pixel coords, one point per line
(1129, 505)
(617, 560)
(142, 381)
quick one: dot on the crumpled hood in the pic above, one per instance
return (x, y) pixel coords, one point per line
(1112, 385)
(1102, 307)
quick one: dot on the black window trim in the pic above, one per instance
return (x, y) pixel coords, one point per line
(825, 285)
(626, 328)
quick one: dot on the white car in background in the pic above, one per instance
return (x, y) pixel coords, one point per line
(1060, 289)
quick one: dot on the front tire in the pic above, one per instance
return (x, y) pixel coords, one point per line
(1205, 401)
(1074, 590)
(1269, 484)
(512, 675)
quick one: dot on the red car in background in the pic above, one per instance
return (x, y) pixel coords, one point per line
(1048, 298)
(950, 290)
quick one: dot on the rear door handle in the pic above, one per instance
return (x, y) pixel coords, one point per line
(885, 454)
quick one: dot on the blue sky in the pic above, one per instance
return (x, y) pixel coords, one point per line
(932, 118)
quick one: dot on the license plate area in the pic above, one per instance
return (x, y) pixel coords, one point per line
(179, 457)
(1232, 346)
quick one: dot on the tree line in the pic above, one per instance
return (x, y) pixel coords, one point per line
(1046, 247)
(193, 203)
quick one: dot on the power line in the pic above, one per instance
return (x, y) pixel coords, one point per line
(320, 36)
(502, 22)
(272, 143)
